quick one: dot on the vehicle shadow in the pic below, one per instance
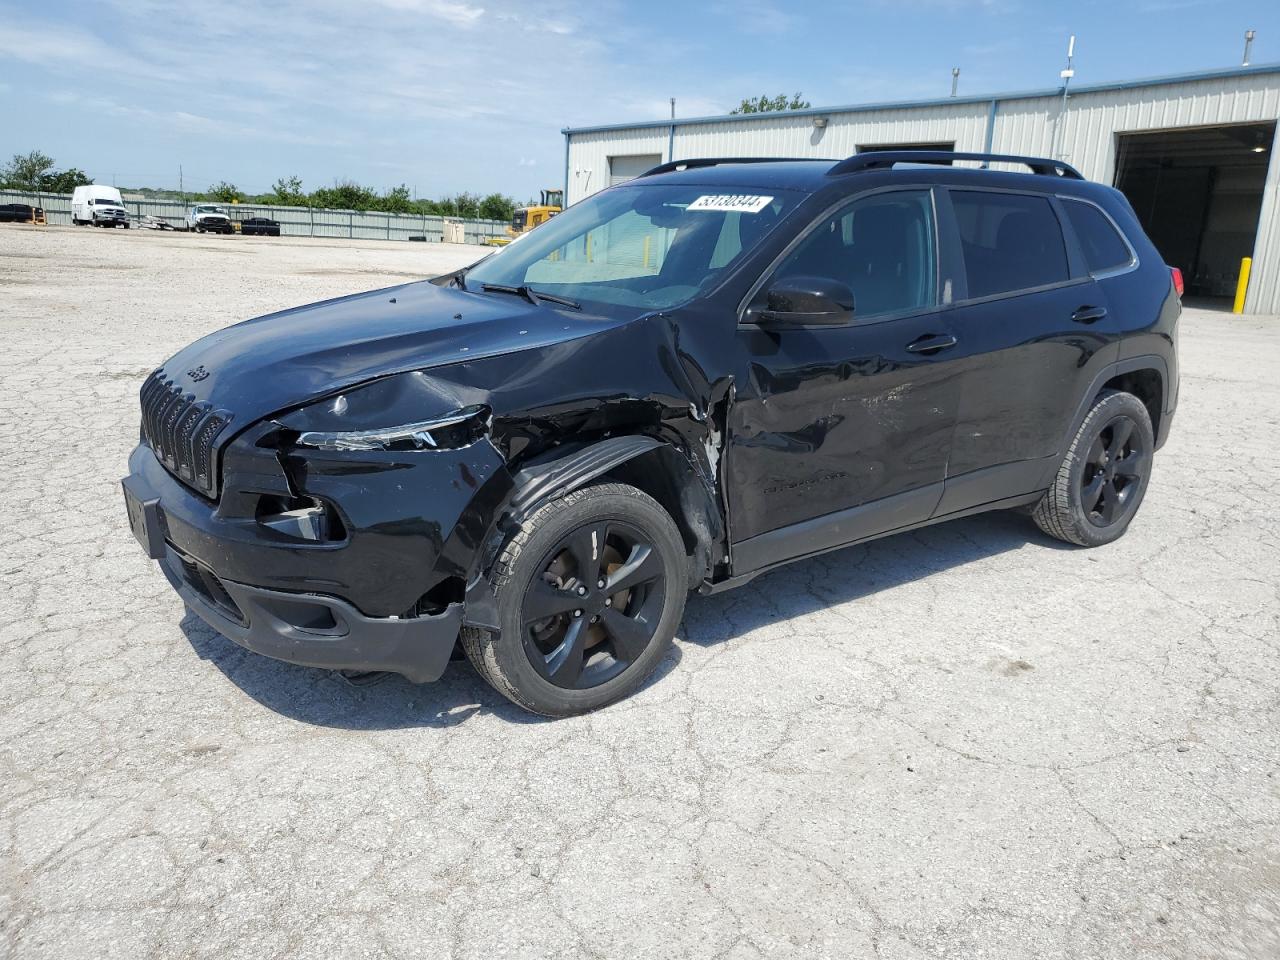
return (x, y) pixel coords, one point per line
(388, 702)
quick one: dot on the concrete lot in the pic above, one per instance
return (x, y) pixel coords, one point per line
(965, 742)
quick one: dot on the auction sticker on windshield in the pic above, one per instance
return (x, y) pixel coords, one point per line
(741, 203)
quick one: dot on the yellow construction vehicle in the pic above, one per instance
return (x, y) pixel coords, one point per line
(526, 218)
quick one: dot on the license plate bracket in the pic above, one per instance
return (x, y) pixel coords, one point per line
(144, 519)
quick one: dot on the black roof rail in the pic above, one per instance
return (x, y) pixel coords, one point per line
(882, 159)
(671, 165)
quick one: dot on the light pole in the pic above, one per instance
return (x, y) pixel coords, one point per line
(1060, 127)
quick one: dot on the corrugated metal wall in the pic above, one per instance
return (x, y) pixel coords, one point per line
(589, 157)
(963, 124)
(294, 221)
(1023, 125)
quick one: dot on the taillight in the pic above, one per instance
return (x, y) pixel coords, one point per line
(1177, 280)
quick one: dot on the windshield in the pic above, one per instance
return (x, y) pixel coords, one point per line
(643, 246)
(105, 203)
(210, 210)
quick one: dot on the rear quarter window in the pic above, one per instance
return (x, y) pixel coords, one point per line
(1010, 242)
(1104, 248)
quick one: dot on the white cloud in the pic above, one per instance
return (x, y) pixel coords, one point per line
(757, 16)
(461, 14)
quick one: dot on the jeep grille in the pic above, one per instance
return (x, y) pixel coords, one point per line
(182, 433)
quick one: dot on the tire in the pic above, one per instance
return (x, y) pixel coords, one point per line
(1104, 476)
(623, 536)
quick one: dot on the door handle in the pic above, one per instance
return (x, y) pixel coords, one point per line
(932, 343)
(1089, 314)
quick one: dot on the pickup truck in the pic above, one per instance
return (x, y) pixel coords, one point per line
(209, 218)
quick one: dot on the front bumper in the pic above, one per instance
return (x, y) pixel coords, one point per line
(355, 604)
(313, 630)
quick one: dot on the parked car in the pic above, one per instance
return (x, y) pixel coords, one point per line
(99, 205)
(209, 218)
(19, 213)
(679, 383)
(259, 227)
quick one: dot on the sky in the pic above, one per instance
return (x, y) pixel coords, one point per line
(452, 95)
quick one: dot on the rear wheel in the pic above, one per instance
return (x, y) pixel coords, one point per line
(589, 592)
(1104, 475)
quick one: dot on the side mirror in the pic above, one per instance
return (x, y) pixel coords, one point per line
(805, 302)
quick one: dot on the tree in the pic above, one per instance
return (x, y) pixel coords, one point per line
(287, 191)
(396, 200)
(64, 181)
(497, 207)
(465, 205)
(344, 195)
(226, 192)
(26, 171)
(772, 104)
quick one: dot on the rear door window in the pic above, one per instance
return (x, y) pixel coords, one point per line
(1104, 248)
(1010, 242)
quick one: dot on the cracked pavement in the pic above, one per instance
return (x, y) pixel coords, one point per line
(968, 741)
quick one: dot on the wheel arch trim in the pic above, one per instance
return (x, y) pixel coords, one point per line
(534, 484)
(554, 478)
(1149, 361)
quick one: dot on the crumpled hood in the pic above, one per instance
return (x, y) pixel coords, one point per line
(262, 366)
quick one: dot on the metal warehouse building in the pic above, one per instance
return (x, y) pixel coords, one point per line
(1195, 154)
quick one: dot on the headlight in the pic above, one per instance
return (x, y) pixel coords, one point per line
(455, 430)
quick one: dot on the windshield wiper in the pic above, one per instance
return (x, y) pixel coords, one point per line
(533, 296)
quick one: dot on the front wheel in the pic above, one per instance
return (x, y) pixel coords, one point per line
(589, 593)
(1104, 476)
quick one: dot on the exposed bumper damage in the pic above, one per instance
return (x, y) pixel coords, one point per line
(314, 630)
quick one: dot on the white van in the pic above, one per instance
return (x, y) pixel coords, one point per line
(99, 205)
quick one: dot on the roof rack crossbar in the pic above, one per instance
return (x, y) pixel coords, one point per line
(883, 159)
(671, 165)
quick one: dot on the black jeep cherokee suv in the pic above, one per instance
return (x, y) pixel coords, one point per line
(676, 384)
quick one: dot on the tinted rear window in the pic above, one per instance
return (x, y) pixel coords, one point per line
(1010, 242)
(1104, 248)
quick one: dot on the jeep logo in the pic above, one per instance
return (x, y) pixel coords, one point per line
(198, 374)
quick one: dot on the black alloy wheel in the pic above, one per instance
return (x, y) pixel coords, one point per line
(1104, 474)
(594, 608)
(589, 590)
(1115, 469)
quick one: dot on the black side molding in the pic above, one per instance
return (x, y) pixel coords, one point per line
(834, 530)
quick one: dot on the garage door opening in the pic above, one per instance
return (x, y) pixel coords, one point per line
(622, 169)
(1198, 193)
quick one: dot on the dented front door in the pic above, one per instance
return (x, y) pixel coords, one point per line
(832, 418)
(826, 420)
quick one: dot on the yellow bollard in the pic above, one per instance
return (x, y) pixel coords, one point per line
(1246, 266)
